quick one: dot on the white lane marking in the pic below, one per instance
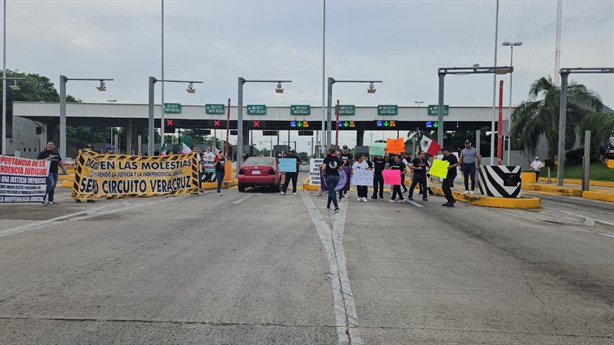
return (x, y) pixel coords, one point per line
(588, 220)
(243, 199)
(589, 231)
(345, 312)
(114, 208)
(415, 203)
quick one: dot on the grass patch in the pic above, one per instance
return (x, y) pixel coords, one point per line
(598, 172)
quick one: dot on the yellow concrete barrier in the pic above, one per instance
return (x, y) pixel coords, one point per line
(610, 163)
(487, 201)
(568, 191)
(598, 195)
(527, 176)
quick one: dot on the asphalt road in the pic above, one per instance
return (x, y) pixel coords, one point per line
(261, 268)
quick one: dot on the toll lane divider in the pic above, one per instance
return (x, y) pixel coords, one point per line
(487, 201)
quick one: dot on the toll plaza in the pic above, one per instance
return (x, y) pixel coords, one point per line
(271, 120)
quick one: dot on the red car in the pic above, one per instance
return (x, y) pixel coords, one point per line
(260, 171)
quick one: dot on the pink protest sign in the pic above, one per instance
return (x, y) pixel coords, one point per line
(392, 177)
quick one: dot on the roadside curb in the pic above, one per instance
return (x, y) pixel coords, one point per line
(568, 191)
(487, 201)
(596, 195)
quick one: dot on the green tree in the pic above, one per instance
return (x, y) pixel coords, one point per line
(601, 126)
(540, 114)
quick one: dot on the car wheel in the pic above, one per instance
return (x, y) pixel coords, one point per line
(241, 188)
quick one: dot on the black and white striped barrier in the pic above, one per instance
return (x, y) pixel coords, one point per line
(500, 181)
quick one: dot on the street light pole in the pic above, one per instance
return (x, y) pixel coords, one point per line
(509, 121)
(329, 124)
(241, 82)
(150, 132)
(563, 114)
(63, 81)
(4, 122)
(475, 69)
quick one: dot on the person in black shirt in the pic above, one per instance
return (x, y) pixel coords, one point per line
(396, 189)
(330, 171)
(52, 179)
(448, 182)
(291, 175)
(345, 154)
(419, 165)
(379, 164)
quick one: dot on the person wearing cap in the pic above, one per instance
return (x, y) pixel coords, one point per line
(536, 166)
(345, 154)
(469, 160)
(291, 175)
(110, 149)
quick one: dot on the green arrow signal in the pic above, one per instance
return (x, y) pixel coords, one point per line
(435, 124)
(386, 124)
(345, 124)
(299, 124)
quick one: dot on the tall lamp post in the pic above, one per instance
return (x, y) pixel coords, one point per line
(418, 103)
(475, 69)
(13, 87)
(563, 114)
(63, 80)
(331, 82)
(152, 83)
(509, 122)
(240, 133)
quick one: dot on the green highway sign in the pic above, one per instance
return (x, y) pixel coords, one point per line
(432, 109)
(347, 109)
(172, 108)
(387, 110)
(300, 110)
(256, 109)
(214, 109)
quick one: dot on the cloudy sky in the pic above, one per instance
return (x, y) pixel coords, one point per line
(401, 42)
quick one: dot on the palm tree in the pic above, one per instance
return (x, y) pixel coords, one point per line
(601, 126)
(540, 114)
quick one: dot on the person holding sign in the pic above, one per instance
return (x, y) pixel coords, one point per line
(396, 188)
(448, 182)
(330, 171)
(208, 159)
(52, 155)
(379, 163)
(220, 163)
(361, 164)
(291, 175)
(419, 166)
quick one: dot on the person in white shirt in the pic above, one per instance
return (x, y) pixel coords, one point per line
(536, 166)
(361, 164)
(208, 158)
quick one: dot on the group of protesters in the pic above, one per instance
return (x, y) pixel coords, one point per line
(337, 161)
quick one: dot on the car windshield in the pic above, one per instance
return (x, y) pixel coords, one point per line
(259, 161)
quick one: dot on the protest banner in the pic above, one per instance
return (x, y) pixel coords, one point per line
(392, 177)
(314, 171)
(395, 145)
(102, 175)
(377, 149)
(439, 168)
(342, 179)
(23, 180)
(362, 177)
(287, 164)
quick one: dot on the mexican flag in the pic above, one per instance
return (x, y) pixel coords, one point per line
(163, 150)
(430, 146)
(186, 144)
